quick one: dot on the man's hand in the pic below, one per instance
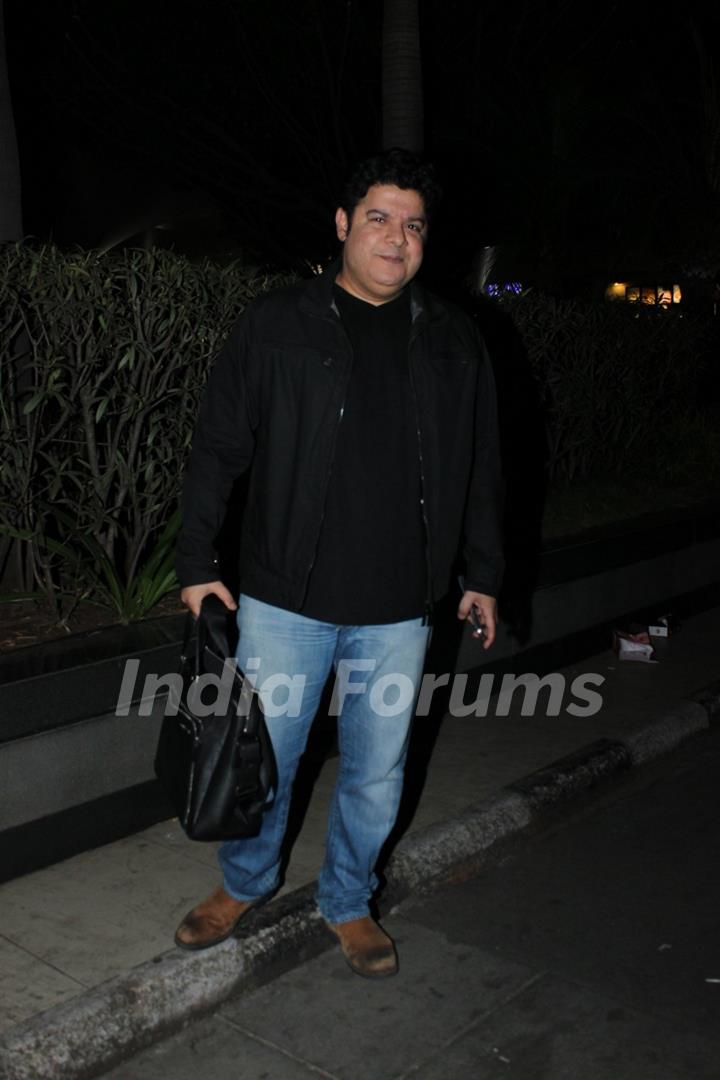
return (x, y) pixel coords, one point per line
(486, 610)
(192, 596)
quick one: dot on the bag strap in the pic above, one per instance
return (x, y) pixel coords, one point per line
(209, 628)
(215, 628)
(191, 646)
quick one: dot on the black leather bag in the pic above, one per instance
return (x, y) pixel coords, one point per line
(218, 769)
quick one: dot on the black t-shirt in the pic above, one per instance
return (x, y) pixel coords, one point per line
(370, 564)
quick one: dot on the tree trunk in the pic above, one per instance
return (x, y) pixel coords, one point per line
(402, 76)
(10, 208)
(11, 563)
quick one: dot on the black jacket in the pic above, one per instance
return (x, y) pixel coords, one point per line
(275, 399)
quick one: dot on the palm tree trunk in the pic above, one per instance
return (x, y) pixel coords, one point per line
(10, 208)
(402, 76)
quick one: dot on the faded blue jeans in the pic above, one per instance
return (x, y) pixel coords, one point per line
(377, 677)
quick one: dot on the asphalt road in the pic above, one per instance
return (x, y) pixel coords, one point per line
(589, 950)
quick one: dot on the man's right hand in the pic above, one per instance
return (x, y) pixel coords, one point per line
(192, 596)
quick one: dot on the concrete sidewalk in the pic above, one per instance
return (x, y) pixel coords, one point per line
(587, 950)
(89, 969)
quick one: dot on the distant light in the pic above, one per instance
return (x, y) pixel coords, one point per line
(494, 289)
(653, 295)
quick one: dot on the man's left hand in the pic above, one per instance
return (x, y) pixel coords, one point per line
(485, 608)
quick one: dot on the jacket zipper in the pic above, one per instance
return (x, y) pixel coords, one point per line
(427, 618)
(330, 363)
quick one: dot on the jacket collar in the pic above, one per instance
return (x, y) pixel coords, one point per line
(317, 298)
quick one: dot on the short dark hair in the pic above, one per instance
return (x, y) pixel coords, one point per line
(395, 166)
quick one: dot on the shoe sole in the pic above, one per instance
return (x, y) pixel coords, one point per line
(200, 945)
(356, 970)
(371, 974)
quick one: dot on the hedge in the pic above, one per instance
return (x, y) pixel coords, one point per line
(103, 357)
(616, 380)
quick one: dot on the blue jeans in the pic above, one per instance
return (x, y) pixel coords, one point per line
(378, 671)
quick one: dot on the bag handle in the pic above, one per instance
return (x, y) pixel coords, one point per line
(216, 628)
(211, 626)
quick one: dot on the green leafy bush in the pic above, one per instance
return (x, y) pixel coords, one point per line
(102, 360)
(103, 357)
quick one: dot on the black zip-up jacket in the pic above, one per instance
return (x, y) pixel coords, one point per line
(274, 401)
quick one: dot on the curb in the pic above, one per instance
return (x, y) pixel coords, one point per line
(100, 1028)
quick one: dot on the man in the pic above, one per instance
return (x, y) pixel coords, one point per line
(364, 409)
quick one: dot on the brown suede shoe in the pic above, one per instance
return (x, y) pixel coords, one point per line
(212, 921)
(366, 947)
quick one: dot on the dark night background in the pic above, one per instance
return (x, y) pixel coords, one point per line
(583, 139)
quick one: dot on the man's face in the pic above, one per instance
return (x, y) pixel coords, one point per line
(383, 245)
